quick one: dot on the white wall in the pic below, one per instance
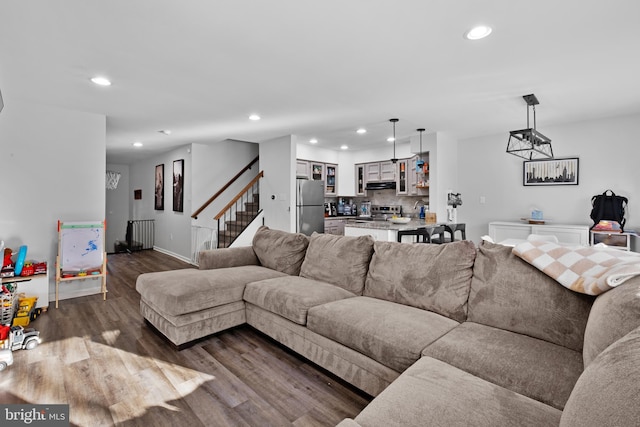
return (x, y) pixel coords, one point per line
(608, 150)
(443, 170)
(213, 166)
(53, 166)
(277, 157)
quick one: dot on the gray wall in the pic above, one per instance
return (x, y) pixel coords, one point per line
(53, 168)
(608, 150)
(277, 158)
(117, 205)
(207, 167)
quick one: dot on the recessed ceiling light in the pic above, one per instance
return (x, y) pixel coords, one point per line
(165, 131)
(390, 139)
(313, 141)
(101, 81)
(344, 147)
(361, 131)
(137, 144)
(254, 117)
(477, 33)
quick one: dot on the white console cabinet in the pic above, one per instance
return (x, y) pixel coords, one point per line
(500, 231)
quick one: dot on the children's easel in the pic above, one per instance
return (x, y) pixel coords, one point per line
(81, 253)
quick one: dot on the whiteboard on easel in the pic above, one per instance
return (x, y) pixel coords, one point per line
(81, 245)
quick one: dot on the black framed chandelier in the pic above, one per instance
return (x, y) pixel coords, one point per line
(394, 121)
(529, 143)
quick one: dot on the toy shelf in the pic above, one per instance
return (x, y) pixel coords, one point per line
(34, 285)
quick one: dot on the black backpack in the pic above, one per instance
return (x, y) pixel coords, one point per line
(608, 207)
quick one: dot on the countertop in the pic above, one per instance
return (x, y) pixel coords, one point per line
(343, 217)
(388, 225)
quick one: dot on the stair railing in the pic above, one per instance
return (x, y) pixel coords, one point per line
(239, 212)
(224, 187)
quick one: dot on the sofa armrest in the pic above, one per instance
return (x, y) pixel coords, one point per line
(227, 257)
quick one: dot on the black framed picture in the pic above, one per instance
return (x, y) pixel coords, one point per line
(159, 188)
(550, 172)
(178, 185)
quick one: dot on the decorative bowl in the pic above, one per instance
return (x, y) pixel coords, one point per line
(399, 220)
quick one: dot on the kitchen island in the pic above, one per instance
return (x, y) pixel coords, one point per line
(383, 230)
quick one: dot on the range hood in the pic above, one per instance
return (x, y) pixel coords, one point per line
(384, 185)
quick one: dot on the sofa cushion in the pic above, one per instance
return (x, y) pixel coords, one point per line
(613, 314)
(538, 369)
(280, 250)
(177, 292)
(292, 296)
(430, 277)
(508, 293)
(606, 394)
(227, 257)
(390, 333)
(433, 393)
(339, 260)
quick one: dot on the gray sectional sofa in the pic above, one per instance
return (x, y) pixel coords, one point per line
(449, 335)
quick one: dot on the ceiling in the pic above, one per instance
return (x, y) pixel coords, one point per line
(318, 68)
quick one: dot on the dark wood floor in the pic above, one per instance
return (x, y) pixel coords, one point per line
(100, 358)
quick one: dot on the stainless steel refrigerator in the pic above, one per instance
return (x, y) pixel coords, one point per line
(309, 206)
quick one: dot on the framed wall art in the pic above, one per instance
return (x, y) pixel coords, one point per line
(178, 185)
(550, 172)
(159, 188)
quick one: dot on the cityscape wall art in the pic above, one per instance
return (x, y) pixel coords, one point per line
(550, 172)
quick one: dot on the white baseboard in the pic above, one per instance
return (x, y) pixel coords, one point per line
(75, 289)
(173, 254)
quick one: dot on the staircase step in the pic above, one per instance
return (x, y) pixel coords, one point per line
(236, 225)
(245, 216)
(252, 206)
(225, 238)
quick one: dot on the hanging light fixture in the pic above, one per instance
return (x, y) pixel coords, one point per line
(394, 121)
(420, 162)
(529, 143)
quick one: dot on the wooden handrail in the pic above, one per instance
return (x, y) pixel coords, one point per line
(224, 187)
(239, 195)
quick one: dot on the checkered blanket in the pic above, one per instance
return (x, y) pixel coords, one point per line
(589, 270)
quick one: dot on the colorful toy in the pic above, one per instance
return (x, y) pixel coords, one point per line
(27, 311)
(6, 358)
(7, 264)
(28, 269)
(19, 338)
(22, 254)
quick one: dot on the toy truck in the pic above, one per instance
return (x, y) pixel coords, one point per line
(27, 311)
(18, 338)
(6, 358)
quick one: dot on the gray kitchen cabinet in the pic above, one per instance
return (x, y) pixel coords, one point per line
(361, 179)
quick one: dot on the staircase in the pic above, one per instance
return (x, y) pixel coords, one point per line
(233, 228)
(233, 219)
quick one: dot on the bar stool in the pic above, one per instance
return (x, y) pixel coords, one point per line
(451, 229)
(436, 234)
(421, 235)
